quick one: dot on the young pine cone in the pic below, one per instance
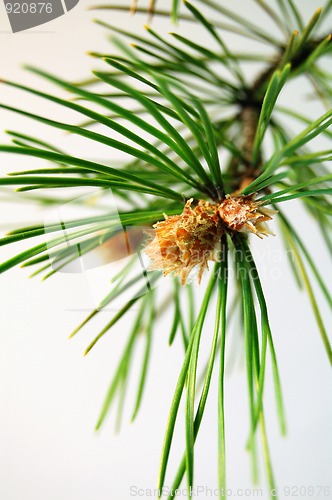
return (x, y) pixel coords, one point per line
(181, 242)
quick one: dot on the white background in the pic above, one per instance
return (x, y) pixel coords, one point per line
(50, 395)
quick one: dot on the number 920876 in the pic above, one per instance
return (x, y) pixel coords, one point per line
(29, 8)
